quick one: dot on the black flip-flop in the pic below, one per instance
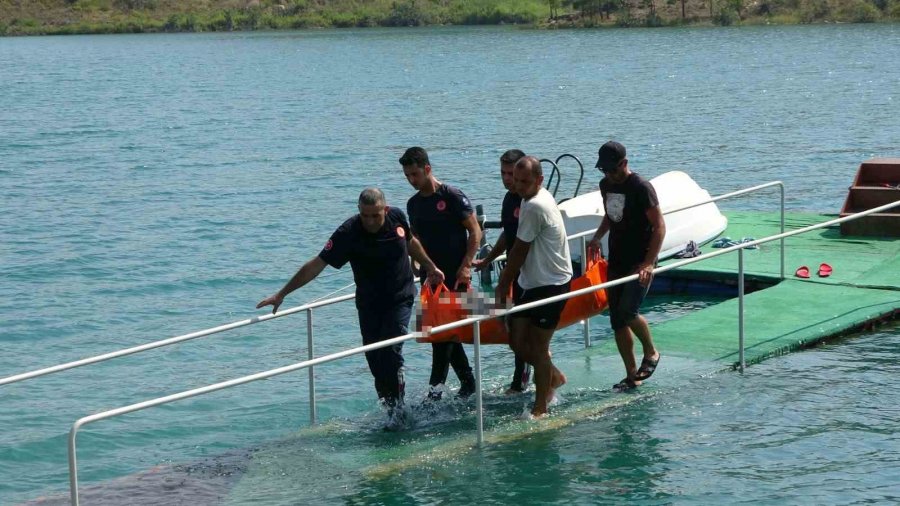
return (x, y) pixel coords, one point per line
(624, 385)
(647, 368)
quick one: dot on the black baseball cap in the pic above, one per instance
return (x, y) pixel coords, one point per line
(610, 155)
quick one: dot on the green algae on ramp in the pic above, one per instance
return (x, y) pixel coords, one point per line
(326, 466)
(329, 461)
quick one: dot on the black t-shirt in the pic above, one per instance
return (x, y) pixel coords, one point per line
(626, 206)
(380, 261)
(437, 221)
(509, 217)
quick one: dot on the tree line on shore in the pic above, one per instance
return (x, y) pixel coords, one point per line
(133, 16)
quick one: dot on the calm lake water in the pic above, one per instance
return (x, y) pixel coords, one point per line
(155, 185)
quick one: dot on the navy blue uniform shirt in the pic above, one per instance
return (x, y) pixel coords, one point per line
(437, 222)
(626, 207)
(380, 261)
(509, 217)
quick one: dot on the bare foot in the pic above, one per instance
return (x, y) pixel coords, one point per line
(537, 415)
(557, 380)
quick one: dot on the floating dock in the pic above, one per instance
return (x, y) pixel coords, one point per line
(863, 288)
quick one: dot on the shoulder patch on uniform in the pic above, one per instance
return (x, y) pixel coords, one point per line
(401, 232)
(328, 245)
(441, 205)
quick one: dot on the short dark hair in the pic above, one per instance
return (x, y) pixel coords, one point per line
(512, 156)
(415, 156)
(371, 197)
(531, 163)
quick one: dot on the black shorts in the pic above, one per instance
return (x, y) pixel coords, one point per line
(624, 301)
(546, 316)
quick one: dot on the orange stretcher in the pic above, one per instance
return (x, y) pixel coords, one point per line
(441, 306)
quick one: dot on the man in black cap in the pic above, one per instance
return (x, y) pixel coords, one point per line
(636, 231)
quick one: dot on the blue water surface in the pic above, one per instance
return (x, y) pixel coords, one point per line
(154, 185)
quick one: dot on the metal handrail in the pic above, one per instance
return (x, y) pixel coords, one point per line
(474, 320)
(555, 171)
(580, 168)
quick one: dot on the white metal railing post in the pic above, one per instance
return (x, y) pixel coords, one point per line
(479, 406)
(587, 320)
(312, 376)
(73, 467)
(741, 306)
(782, 231)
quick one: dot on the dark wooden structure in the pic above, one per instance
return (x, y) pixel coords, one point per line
(877, 183)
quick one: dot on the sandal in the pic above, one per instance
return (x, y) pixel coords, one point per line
(624, 385)
(647, 368)
(723, 242)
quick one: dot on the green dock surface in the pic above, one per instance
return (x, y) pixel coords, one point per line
(863, 287)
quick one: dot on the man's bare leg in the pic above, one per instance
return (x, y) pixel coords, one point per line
(543, 368)
(639, 326)
(518, 337)
(625, 343)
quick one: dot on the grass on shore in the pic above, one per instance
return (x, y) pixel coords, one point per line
(34, 17)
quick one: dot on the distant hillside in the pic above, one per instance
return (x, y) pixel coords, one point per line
(30, 17)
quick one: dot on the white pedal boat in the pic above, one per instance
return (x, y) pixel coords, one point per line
(675, 190)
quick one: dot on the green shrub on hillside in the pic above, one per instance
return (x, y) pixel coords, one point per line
(726, 16)
(858, 11)
(814, 10)
(893, 9)
(407, 13)
(136, 4)
(24, 17)
(181, 23)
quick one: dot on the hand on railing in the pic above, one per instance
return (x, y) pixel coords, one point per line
(645, 274)
(272, 300)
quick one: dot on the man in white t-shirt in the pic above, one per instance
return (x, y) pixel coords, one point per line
(540, 264)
